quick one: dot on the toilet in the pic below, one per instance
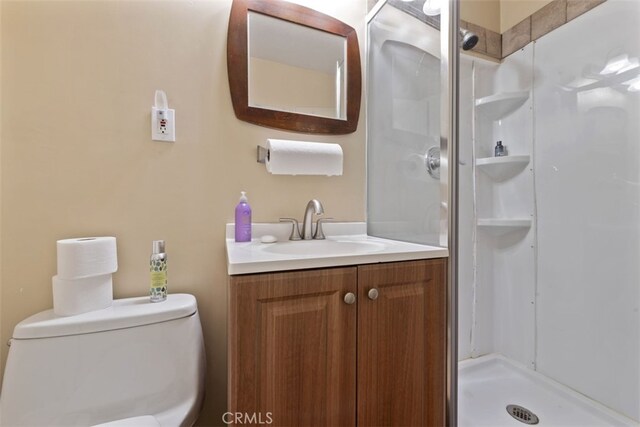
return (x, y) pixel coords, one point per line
(135, 363)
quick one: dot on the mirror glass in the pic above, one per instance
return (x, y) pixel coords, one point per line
(295, 68)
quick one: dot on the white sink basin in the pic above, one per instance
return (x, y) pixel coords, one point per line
(324, 247)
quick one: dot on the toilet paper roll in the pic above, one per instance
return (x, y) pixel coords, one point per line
(303, 158)
(77, 296)
(86, 257)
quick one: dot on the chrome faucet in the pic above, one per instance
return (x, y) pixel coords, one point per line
(313, 207)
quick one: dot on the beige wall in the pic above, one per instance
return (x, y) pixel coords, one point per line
(485, 13)
(498, 15)
(514, 11)
(77, 159)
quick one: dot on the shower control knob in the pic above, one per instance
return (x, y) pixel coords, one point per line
(432, 162)
(373, 294)
(350, 298)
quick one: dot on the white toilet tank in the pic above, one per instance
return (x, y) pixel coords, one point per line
(134, 359)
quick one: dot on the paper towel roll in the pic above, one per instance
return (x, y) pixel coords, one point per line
(77, 296)
(303, 158)
(87, 257)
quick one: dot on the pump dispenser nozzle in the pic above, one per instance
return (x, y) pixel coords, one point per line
(157, 247)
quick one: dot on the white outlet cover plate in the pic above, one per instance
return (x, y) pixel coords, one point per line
(170, 133)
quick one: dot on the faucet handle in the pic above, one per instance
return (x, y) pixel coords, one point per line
(295, 228)
(319, 234)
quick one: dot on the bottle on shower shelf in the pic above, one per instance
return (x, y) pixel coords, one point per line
(500, 150)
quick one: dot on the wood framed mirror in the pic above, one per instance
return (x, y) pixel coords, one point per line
(293, 68)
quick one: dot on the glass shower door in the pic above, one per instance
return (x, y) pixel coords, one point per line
(412, 155)
(403, 128)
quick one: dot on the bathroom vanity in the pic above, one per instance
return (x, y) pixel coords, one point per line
(338, 343)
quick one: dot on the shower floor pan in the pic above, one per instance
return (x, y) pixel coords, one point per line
(488, 384)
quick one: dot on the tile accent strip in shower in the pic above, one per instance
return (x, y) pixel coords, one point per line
(499, 46)
(516, 37)
(548, 18)
(543, 21)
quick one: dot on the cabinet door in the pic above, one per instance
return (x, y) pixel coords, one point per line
(292, 349)
(401, 344)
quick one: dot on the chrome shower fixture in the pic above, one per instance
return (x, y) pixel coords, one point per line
(469, 39)
(432, 162)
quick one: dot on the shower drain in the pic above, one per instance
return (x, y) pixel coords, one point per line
(522, 414)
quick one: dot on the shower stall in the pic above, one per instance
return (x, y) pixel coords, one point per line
(548, 236)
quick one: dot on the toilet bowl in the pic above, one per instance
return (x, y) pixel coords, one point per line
(135, 363)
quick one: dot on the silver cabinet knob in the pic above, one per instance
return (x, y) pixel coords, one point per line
(350, 298)
(372, 294)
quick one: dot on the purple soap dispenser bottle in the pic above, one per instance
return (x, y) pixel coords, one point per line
(243, 219)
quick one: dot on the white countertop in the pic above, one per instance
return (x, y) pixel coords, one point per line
(346, 244)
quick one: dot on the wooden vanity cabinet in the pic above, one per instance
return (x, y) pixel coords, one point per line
(401, 344)
(292, 346)
(301, 352)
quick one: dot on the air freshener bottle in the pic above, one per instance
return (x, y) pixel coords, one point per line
(243, 219)
(499, 150)
(158, 271)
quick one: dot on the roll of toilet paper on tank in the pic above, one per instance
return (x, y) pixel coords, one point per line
(86, 257)
(77, 296)
(303, 158)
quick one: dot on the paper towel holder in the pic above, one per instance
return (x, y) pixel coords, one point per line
(262, 154)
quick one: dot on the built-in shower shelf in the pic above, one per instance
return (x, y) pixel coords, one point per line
(500, 105)
(501, 168)
(499, 226)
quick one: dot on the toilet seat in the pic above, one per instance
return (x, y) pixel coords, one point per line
(144, 421)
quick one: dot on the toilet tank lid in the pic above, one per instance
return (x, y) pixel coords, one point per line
(124, 313)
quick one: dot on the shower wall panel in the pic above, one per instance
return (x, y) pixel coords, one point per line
(496, 270)
(587, 164)
(505, 278)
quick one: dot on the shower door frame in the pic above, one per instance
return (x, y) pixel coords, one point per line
(449, 150)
